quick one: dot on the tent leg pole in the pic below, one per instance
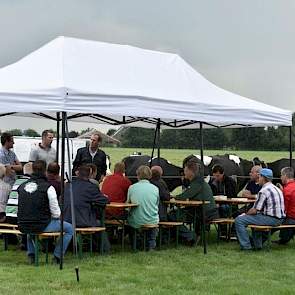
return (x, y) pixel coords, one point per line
(158, 140)
(154, 144)
(63, 131)
(57, 134)
(201, 142)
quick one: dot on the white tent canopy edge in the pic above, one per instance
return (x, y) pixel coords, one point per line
(89, 77)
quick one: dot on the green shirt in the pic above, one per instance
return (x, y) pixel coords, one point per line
(198, 190)
(146, 195)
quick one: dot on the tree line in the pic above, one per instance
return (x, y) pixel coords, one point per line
(271, 138)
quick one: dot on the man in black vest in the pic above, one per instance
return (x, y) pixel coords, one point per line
(92, 154)
(38, 210)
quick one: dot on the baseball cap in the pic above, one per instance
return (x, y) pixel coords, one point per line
(267, 173)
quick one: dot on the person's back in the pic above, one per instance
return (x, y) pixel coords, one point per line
(146, 195)
(85, 195)
(53, 176)
(33, 205)
(115, 187)
(12, 203)
(164, 193)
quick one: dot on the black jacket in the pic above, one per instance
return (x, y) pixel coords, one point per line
(99, 160)
(227, 187)
(33, 205)
(164, 196)
(86, 195)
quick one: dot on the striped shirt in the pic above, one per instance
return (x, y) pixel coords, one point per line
(270, 201)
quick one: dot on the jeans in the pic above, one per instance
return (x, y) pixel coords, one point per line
(241, 223)
(54, 226)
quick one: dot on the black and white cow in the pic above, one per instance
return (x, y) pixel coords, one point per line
(277, 166)
(171, 173)
(233, 166)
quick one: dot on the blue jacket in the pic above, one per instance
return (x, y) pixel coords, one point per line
(85, 195)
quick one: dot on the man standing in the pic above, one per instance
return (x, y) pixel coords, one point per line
(267, 210)
(9, 158)
(38, 211)
(287, 178)
(92, 154)
(44, 151)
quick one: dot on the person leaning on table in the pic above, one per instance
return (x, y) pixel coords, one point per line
(198, 190)
(268, 209)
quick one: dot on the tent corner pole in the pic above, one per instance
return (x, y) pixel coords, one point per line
(63, 134)
(201, 142)
(290, 145)
(57, 134)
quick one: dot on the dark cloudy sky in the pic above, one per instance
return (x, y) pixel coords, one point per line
(245, 46)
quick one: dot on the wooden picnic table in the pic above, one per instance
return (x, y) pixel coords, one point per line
(194, 204)
(121, 205)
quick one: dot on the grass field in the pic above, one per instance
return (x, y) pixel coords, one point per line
(224, 270)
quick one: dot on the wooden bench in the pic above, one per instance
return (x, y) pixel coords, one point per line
(9, 230)
(144, 228)
(117, 223)
(268, 229)
(8, 225)
(88, 231)
(169, 225)
(222, 221)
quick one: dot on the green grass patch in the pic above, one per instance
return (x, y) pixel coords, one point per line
(224, 270)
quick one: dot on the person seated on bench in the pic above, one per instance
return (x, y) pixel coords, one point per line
(164, 193)
(146, 195)
(12, 203)
(53, 177)
(268, 209)
(224, 185)
(199, 190)
(287, 178)
(115, 187)
(4, 193)
(252, 187)
(38, 211)
(250, 190)
(87, 198)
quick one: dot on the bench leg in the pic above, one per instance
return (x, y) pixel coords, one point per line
(79, 241)
(177, 235)
(160, 237)
(134, 239)
(46, 249)
(123, 235)
(36, 239)
(5, 237)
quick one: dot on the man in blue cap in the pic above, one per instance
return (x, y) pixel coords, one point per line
(268, 209)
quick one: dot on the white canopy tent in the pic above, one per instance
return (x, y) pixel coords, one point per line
(118, 84)
(124, 84)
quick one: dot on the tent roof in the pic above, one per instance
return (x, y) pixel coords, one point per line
(89, 77)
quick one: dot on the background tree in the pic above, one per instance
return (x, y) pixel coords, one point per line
(15, 132)
(31, 133)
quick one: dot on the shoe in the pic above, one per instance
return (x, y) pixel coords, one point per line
(279, 242)
(31, 258)
(55, 260)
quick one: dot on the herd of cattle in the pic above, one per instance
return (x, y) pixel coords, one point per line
(233, 166)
